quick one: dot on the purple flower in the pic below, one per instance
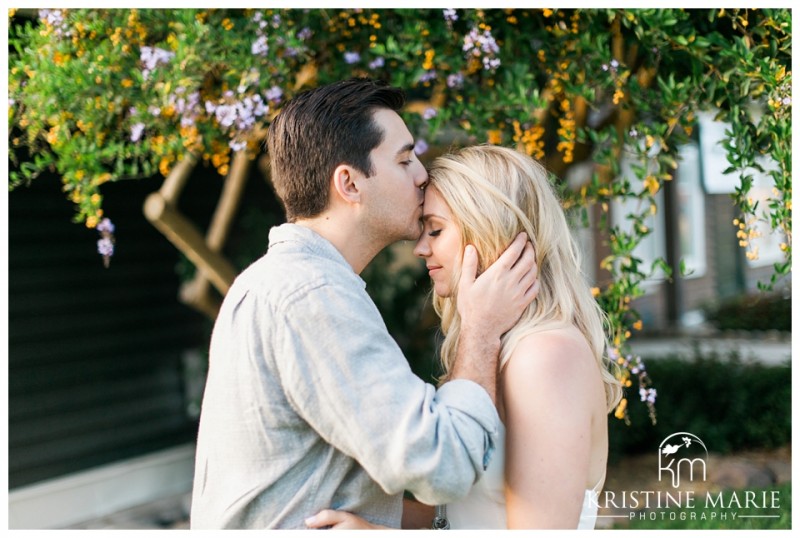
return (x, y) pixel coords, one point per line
(154, 111)
(136, 132)
(377, 63)
(304, 34)
(187, 107)
(420, 147)
(648, 395)
(105, 226)
(450, 15)
(456, 80)
(479, 44)
(245, 118)
(105, 247)
(490, 64)
(55, 19)
(260, 46)
(244, 113)
(484, 42)
(226, 115)
(352, 57)
(260, 108)
(429, 113)
(152, 57)
(427, 76)
(179, 104)
(274, 94)
(237, 145)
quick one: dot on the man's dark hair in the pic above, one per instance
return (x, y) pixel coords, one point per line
(321, 129)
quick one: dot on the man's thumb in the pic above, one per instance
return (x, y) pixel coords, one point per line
(469, 267)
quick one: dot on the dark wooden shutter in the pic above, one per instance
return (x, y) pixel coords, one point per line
(94, 356)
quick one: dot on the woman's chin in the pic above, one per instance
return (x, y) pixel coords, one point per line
(441, 290)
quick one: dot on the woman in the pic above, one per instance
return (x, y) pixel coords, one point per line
(554, 388)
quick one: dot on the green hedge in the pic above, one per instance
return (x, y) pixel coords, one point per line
(752, 313)
(730, 404)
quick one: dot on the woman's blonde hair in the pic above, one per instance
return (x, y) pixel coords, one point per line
(494, 193)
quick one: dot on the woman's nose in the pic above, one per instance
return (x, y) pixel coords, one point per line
(421, 249)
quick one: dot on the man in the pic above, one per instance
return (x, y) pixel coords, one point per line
(309, 403)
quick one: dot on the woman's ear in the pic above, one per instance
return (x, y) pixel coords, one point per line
(344, 184)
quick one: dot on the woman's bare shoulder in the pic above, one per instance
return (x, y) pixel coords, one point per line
(560, 356)
(559, 343)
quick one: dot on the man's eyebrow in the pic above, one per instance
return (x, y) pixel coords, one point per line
(405, 149)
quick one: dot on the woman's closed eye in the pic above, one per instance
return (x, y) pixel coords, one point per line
(434, 233)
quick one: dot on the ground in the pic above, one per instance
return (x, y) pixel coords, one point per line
(750, 469)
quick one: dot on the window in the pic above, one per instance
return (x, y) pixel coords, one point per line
(717, 182)
(691, 212)
(653, 245)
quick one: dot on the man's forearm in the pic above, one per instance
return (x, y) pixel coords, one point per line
(476, 360)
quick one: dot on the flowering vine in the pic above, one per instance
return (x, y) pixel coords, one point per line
(571, 87)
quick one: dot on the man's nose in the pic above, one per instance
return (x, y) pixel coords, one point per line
(422, 180)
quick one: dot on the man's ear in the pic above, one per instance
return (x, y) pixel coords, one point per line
(344, 184)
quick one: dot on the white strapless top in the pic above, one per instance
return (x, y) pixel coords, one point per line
(485, 505)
